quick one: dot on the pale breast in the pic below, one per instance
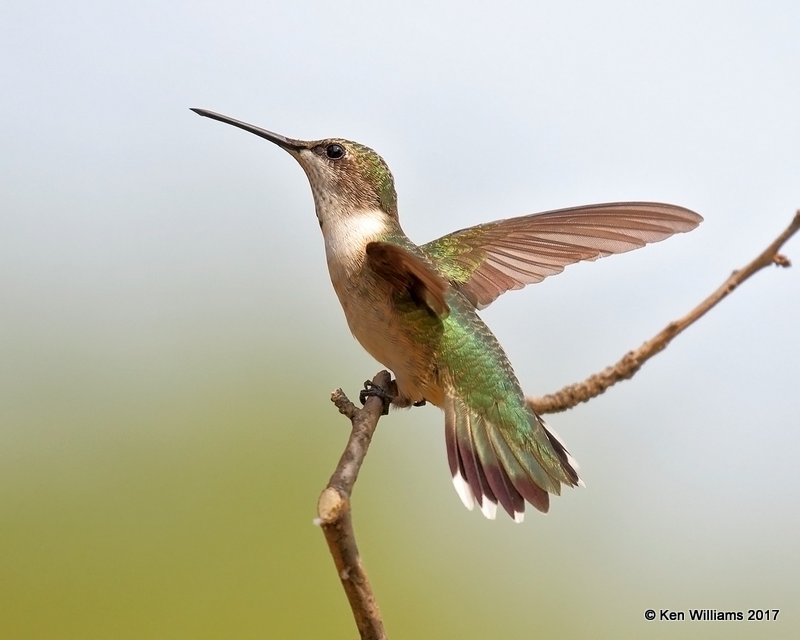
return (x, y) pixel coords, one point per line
(386, 334)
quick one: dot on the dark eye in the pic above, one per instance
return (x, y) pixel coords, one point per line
(334, 151)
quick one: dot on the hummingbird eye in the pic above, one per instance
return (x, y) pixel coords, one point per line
(334, 151)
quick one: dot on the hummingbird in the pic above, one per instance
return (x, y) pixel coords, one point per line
(414, 308)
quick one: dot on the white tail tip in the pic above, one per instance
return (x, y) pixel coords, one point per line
(463, 491)
(489, 508)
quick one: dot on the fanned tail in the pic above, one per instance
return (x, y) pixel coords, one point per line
(505, 457)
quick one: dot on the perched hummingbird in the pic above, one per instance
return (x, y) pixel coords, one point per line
(414, 309)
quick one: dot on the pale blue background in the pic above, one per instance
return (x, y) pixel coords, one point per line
(169, 337)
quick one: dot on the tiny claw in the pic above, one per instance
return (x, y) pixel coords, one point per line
(372, 389)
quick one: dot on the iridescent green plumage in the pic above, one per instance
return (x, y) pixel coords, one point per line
(495, 442)
(377, 175)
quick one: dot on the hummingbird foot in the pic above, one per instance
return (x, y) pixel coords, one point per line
(372, 389)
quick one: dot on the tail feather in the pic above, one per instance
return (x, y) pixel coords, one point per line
(475, 438)
(501, 484)
(473, 469)
(568, 463)
(520, 475)
(467, 472)
(487, 468)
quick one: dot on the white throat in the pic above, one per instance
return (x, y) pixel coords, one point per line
(346, 236)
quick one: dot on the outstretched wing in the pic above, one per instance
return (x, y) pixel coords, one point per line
(489, 259)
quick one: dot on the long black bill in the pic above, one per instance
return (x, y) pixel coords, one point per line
(282, 141)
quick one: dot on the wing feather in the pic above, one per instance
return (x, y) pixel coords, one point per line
(409, 274)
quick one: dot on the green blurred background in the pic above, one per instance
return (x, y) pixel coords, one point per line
(169, 337)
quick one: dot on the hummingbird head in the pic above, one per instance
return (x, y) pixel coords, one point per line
(345, 176)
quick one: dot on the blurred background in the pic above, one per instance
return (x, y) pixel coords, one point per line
(169, 336)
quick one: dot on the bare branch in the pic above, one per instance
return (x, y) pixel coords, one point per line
(333, 509)
(632, 361)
